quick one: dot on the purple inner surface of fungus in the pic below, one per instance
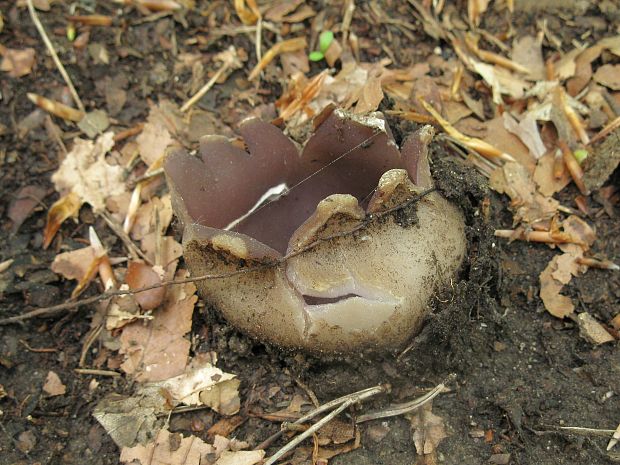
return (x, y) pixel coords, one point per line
(343, 156)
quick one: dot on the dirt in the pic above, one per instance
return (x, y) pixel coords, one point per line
(520, 372)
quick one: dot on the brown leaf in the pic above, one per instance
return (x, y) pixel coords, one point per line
(225, 426)
(544, 177)
(86, 173)
(223, 397)
(242, 457)
(428, 430)
(53, 386)
(17, 63)
(559, 271)
(168, 449)
(74, 264)
(141, 275)
(527, 51)
(26, 199)
(64, 208)
(608, 76)
(528, 204)
(158, 349)
(592, 331)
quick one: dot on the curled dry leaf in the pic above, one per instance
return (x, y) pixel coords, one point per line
(141, 275)
(56, 108)
(84, 177)
(53, 385)
(65, 207)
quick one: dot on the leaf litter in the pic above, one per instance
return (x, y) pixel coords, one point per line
(535, 109)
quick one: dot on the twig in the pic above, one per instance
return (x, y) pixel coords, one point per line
(90, 371)
(581, 431)
(50, 48)
(359, 395)
(308, 392)
(229, 62)
(35, 350)
(401, 409)
(49, 311)
(310, 431)
(123, 236)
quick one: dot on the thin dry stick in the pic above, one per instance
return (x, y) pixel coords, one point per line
(89, 371)
(582, 431)
(401, 409)
(133, 249)
(190, 103)
(48, 311)
(360, 395)
(352, 399)
(50, 48)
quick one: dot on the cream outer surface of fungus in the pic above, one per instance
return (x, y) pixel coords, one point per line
(368, 243)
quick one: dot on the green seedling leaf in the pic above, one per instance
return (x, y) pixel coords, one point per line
(316, 56)
(325, 40)
(581, 155)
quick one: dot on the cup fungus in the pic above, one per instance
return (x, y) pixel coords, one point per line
(338, 248)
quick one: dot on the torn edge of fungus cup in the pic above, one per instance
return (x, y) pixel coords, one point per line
(337, 247)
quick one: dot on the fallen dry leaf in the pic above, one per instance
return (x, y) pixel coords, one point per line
(17, 63)
(501, 81)
(74, 264)
(528, 205)
(53, 385)
(130, 420)
(86, 173)
(545, 179)
(155, 212)
(26, 199)
(205, 385)
(157, 350)
(65, 207)
(608, 76)
(169, 449)
(558, 272)
(592, 331)
(428, 431)
(139, 275)
(527, 51)
(527, 130)
(249, 457)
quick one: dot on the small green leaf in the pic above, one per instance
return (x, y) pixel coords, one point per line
(325, 40)
(581, 155)
(71, 32)
(316, 56)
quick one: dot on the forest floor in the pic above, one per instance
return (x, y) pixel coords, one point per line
(534, 384)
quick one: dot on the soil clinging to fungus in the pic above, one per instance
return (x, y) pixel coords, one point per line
(369, 268)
